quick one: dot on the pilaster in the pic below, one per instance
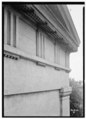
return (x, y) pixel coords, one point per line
(65, 101)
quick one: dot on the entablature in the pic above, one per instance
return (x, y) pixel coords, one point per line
(40, 19)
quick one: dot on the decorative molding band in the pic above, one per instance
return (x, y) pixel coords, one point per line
(18, 53)
(62, 34)
(31, 92)
(11, 56)
(65, 91)
(50, 25)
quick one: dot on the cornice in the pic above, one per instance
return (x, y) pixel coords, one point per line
(39, 14)
(57, 25)
(69, 20)
(67, 30)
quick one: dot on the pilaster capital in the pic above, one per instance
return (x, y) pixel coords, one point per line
(66, 91)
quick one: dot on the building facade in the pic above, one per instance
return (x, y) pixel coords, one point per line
(38, 40)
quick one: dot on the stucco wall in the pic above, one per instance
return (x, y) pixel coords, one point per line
(26, 83)
(34, 104)
(22, 76)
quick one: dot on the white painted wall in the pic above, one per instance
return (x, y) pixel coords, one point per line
(34, 104)
(22, 76)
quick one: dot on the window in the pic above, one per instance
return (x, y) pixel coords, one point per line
(67, 59)
(40, 44)
(26, 37)
(57, 52)
(62, 56)
(14, 30)
(10, 28)
(49, 49)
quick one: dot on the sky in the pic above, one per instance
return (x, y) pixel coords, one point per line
(76, 59)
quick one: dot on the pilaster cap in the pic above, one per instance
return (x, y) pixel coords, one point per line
(66, 91)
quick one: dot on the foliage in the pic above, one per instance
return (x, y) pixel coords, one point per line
(76, 99)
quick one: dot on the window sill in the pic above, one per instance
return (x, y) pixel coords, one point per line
(20, 54)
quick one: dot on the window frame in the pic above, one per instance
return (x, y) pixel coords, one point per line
(12, 41)
(40, 44)
(56, 52)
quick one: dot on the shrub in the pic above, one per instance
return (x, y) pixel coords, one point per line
(76, 99)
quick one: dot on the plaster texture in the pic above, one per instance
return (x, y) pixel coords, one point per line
(31, 89)
(33, 104)
(19, 77)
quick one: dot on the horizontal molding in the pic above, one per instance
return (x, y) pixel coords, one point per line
(63, 93)
(38, 60)
(62, 34)
(33, 92)
(11, 56)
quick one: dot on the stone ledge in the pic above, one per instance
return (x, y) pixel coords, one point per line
(21, 54)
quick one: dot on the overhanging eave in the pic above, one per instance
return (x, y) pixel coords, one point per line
(35, 15)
